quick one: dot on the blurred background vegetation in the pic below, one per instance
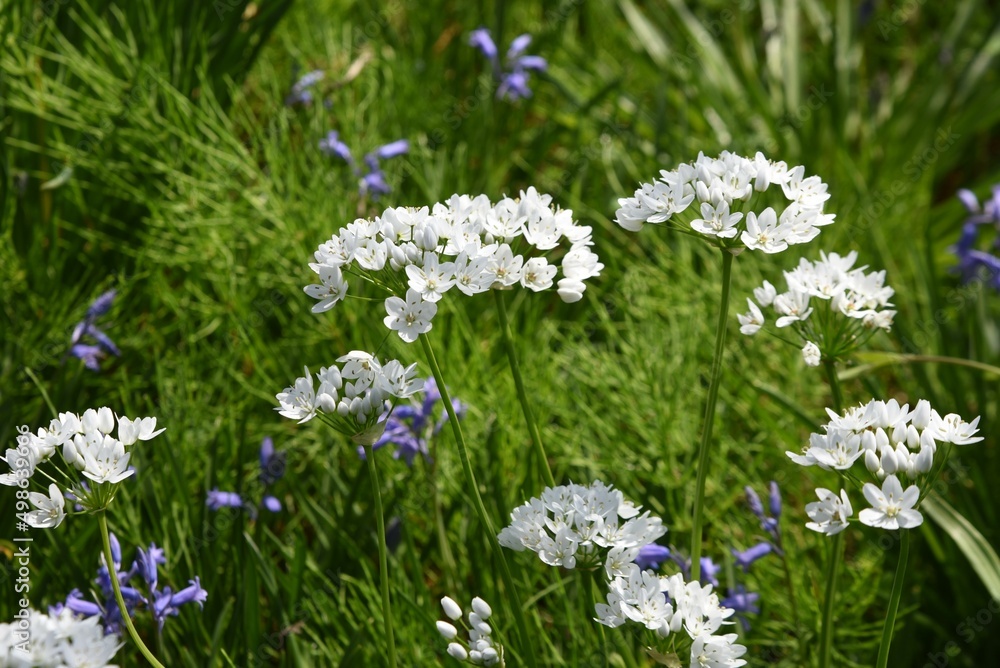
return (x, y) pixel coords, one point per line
(147, 147)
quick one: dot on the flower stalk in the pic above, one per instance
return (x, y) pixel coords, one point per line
(706, 434)
(897, 591)
(836, 555)
(522, 395)
(113, 576)
(383, 557)
(527, 650)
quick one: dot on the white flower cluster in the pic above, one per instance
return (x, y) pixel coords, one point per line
(481, 649)
(850, 291)
(466, 243)
(573, 525)
(892, 441)
(666, 605)
(86, 444)
(60, 641)
(722, 191)
(356, 408)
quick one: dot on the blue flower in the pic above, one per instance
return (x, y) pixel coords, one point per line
(512, 75)
(651, 556)
(767, 522)
(91, 355)
(300, 93)
(407, 426)
(272, 469)
(371, 178)
(743, 602)
(973, 263)
(746, 558)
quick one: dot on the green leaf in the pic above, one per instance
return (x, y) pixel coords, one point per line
(981, 555)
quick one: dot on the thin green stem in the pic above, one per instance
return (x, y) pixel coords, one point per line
(113, 575)
(522, 394)
(41, 388)
(897, 591)
(706, 434)
(826, 630)
(833, 568)
(383, 554)
(589, 612)
(527, 649)
(831, 375)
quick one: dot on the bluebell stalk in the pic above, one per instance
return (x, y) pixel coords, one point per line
(301, 93)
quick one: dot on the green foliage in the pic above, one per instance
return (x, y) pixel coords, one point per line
(146, 146)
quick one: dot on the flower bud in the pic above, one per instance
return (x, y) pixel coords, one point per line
(451, 608)
(868, 441)
(775, 500)
(447, 630)
(898, 434)
(924, 460)
(105, 420)
(872, 462)
(921, 416)
(889, 464)
(881, 438)
(481, 608)
(457, 651)
(912, 437)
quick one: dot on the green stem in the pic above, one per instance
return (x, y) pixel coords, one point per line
(831, 375)
(522, 395)
(897, 591)
(113, 575)
(833, 568)
(527, 650)
(383, 554)
(589, 612)
(826, 630)
(706, 434)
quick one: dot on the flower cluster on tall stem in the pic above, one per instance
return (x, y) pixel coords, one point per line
(857, 310)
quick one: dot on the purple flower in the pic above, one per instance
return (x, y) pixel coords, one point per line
(756, 507)
(218, 500)
(482, 40)
(300, 93)
(272, 464)
(746, 558)
(774, 499)
(191, 594)
(331, 145)
(743, 602)
(513, 77)
(651, 556)
(271, 503)
(975, 264)
(407, 427)
(374, 182)
(80, 605)
(767, 522)
(92, 355)
(393, 149)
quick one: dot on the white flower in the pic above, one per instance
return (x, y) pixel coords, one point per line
(793, 307)
(571, 290)
(953, 429)
(751, 322)
(410, 318)
(58, 641)
(140, 429)
(574, 525)
(892, 508)
(105, 460)
(51, 509)
(764, 233)
(505, 267)
(717, 652)
(538, 274)
(765, 294)
(298, 402)
(471, 275)
(451, 608)
(331, 289)
(811, 354)
(830, 515)
(433, 279)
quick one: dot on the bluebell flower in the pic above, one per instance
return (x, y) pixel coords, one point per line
(371, 179)
(743, 602)
(300, 93)
(513, 74)
(974, 263)
(92, 355)
(272, 469)
(145, 564)
(651, 556)
(408, 425)
(747, 557)
(767, 522)
(709, 569)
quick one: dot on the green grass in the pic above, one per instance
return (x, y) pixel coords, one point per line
(199, 196)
